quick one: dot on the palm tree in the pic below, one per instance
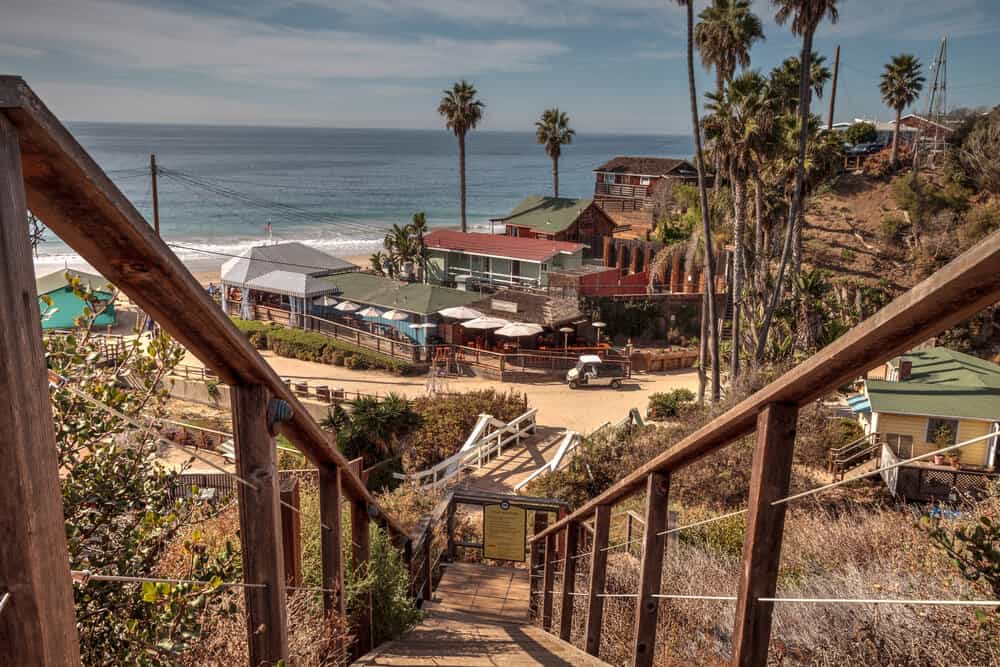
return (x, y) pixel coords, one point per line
(724, 35)
(709, 298)
(805, 15)
(784, 80)
(462, 112)
(418, 228)
(900, 87)
(553, 132)
(377, 262)
(738, 124)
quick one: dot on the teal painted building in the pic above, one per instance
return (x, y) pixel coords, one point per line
(65, 306)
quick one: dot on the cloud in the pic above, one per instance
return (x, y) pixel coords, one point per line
(15, 51)
(918, 19)
(114, 34)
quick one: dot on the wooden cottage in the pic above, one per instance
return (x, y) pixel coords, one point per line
(559, 219)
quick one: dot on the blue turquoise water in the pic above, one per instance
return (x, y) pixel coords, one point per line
(338, 189)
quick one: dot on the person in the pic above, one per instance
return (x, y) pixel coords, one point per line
(590, 372)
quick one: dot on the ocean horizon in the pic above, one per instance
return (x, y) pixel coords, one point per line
(337, 189)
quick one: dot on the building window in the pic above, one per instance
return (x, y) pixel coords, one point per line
(609, 179)
(942, 432)
(644, 180)
(901, 445)
(545, 267)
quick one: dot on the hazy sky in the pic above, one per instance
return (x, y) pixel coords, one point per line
(614, 65)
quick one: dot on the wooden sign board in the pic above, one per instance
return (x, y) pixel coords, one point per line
(505, 531)
(504, 306)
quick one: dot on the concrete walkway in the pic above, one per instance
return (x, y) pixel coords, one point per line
(479, 617)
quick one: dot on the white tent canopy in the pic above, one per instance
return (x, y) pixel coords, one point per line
(460, 313)
(485, 323)
(518, 329)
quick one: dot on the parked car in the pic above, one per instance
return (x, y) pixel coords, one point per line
(591, 370)
(865, 149)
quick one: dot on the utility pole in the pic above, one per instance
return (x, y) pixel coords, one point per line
(833, 92)
(156, 199)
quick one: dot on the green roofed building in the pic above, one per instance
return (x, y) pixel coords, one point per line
(930, 398)
(559, 219)
(64, 305)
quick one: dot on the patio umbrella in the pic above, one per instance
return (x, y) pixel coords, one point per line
(566, 331)
(518, 329)
(347, 307)
(395, 315)
(423, 325)
(485, 323)
(325, 300)
(460, 313)
(370, 312)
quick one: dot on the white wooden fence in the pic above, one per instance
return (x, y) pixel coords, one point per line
(487, 439)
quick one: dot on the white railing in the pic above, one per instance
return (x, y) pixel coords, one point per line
(494, 277)
(487, 439)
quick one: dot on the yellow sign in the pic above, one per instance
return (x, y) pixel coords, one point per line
(505, 529)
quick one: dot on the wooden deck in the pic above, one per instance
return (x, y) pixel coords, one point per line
(479, 617)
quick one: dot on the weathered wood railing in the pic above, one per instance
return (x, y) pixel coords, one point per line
(44, 169)
(960, 289)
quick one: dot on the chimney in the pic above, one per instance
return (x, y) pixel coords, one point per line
(905, 369)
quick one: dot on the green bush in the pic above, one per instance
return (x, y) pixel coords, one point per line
(663, 405)
(339, 358)
(723, 537)
(256, 332)
(860, 133)
(892, 228)
(388, 584)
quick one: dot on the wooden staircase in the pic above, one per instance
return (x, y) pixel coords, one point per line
(853, 455)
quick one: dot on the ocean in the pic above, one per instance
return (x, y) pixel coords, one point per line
(336, 189)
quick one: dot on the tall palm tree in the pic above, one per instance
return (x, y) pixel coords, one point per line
(900, 87)
(418, 228)
(805, 15)
(784, 80)
(553, 132)
(462, 113)
(709, 298)
(726, 31)
(738, 125)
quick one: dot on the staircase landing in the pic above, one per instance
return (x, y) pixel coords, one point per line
(479, 617)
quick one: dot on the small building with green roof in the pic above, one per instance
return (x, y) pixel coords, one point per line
(930, 398)
(559, 219)
(59, 305)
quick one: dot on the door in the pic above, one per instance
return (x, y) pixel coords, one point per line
(993, 445)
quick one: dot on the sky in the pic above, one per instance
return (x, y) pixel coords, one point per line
(613, 65)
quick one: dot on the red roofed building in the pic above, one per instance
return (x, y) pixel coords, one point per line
(495, 260)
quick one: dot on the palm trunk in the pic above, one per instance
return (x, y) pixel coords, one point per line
(760, 254)
(895, 140)
(461, 175)
(713, 322)
(739, 226)
(805, 92)
(703, 348)
(555, 176)
(797, 242)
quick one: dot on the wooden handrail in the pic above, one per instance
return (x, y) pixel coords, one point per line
(79, 203)
(960, 289)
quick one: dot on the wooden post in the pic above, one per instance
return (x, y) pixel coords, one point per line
(608, 254)
(38, 626)
(548, 580)
(628, 531)
(537, 563)
(156, 196)
(569, 581)
(361, 549)
(769, 480)
(330, 493)
(620, 260)
(651, 568)
(598, 569)
(633, 262)
(428, 591)
(451, 529)
(291, 531)
(260, 525)
(833, 88)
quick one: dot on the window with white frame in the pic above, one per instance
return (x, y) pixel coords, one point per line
(942, 432)
(609, 179)
(644, 180)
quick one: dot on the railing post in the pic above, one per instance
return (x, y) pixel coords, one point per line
(451, 528)
(361, 549)
(428, 590)
(769, 480)
(548, 580)
(537, 563)
(651, 568)
(38, 627)
(569, 581)
(291, 531)
(260, 525)
(330, 494)
(598, 569)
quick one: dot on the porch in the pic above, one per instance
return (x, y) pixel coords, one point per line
(929, 482)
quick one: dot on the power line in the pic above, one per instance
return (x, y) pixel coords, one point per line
(219, 253)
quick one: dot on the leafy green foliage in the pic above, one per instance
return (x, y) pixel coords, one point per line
(120, 516)
(664, 405)
(312, 346)
(860, 133)
(378, 430)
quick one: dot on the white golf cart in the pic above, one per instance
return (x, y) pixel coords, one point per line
(592, 371)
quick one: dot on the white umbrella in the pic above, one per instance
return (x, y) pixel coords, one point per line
(347, 306)
(518, 329)
(485, 323)
(460, 313)
(370, 312)
(325, 300)
(423, 325)
(395, 315)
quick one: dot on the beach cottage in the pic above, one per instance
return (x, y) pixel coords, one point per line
(64, 307)
(489, 259)
(283, 276)
(929, 399)
(559, 219)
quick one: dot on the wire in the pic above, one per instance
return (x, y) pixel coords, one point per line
(180, 246)
(85, 576)
(970, 603)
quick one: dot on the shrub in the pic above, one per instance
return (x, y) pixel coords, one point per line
(339, 358)
(256, 332)
(892, 228)
(663, 405)
(980, 222)
(980, 152)
(387, 582)
(860, 133)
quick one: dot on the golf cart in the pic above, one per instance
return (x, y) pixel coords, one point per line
(591, 370)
